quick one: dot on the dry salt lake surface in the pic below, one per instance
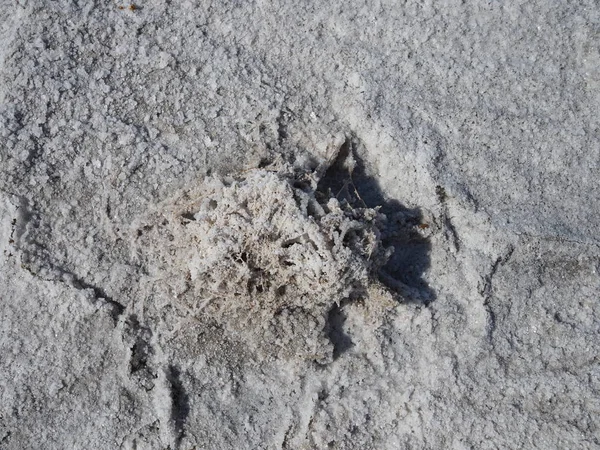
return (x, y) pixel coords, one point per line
(303, 225)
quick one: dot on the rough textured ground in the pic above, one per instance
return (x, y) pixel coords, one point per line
(473, 126)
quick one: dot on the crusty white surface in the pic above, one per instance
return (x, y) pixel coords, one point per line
(483, 117)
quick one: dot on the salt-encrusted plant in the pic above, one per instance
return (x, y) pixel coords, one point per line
(266, 255)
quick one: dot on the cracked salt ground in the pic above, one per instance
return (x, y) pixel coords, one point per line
(473, 126)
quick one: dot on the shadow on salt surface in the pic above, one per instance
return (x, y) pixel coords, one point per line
(347, 178)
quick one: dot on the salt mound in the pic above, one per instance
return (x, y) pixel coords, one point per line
(266, 253)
